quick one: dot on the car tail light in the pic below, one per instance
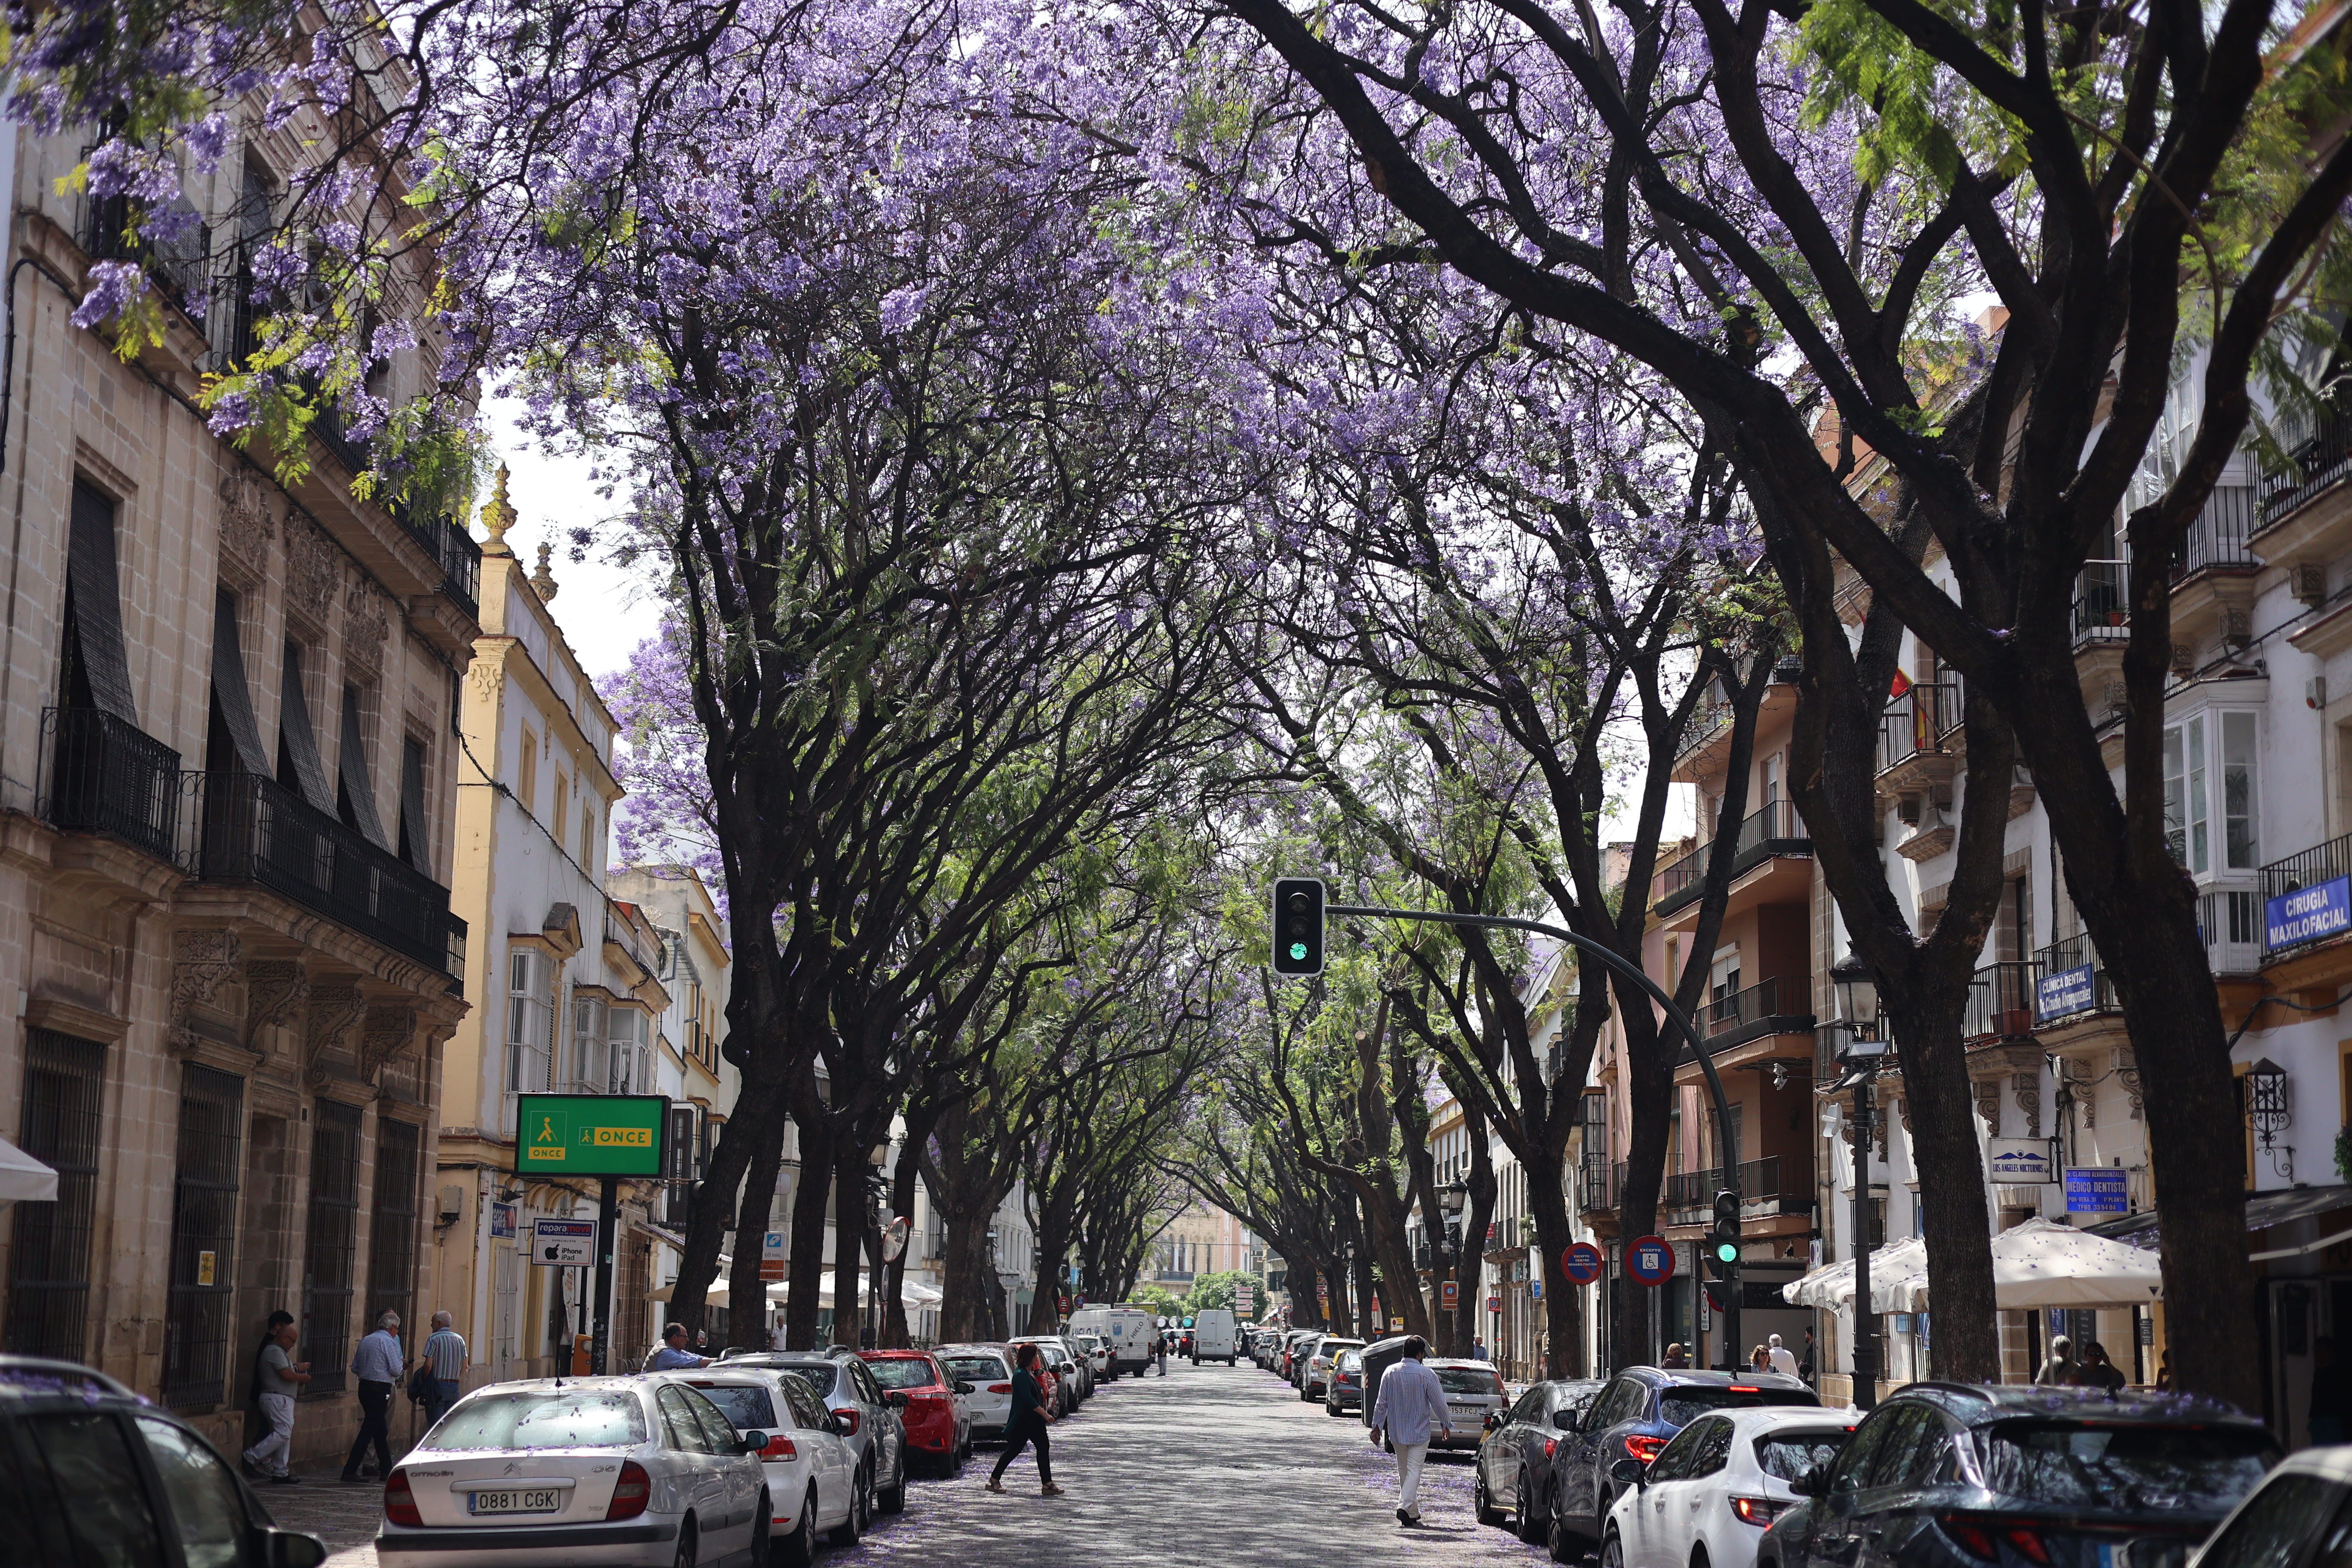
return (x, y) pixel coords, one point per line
(1742, 1388)
(399, 1502)
(631, 1492)
(780, 1447)
(1757, 1510)
(849, 1421)
(2029, 1543)
(1645, 1448)
(999, 1389)
(1970, 1536)
(1551, 1443)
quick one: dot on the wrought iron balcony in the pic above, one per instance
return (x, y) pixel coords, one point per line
(456, 551)
(2103, 603)
(2074, 953)
(1917, 723)
(2320, 863)
(176, 266)
(257, 831)
(2318, 462)
(1749, 1015)
(1775, 830)
(2001, 1000)
(1690, 1194)
(1597, 1184)
(101, 775)
(2218, 537)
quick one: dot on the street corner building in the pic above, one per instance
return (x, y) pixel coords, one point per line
(228, 765)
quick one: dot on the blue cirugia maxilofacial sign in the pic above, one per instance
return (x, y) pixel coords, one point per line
(2306, 914)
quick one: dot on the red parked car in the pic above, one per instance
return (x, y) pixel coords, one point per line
(937, 1416)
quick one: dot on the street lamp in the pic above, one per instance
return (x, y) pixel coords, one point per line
(1864, 1051)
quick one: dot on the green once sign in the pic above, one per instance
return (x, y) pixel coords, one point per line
(590, 1134)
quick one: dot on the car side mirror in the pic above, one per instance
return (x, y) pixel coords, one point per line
(1564, 1420)
(895, 1399)
(750, 1442)
(967, 1387)
(292, 1549)
(1629, 1472)
(1494, 1420)
(1814, 1482)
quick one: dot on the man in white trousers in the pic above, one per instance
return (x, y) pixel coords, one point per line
(1410, 1406)
(278, 1377)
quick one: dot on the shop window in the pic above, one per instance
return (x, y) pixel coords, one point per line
(48, 1257)
(204, 1237)
(330, 1246)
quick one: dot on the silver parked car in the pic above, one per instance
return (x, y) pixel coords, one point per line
(1473, 1391)
(602, 1471)
(875, 1433)
(1312, 1380)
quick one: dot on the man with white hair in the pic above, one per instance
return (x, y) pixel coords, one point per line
(376, 1363)
(1782, 1361)
(444, 1352)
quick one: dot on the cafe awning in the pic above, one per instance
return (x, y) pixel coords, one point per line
(24, 1178)
(2042, 1263)
(913, 1292)
(1832, 1285)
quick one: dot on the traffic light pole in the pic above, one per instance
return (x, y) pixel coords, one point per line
(1631, 971)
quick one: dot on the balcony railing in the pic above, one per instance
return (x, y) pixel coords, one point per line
(1775, 830)
(255, 830)
(2001, 1000)
(2218, 537)
(2058, 959)
(1692, 1192)
(1596, 1186)
(2102, 602)
(101, 775)
(457, 554)
(2320, 460)
(1711, 718)
(2229, 920)
(1749, 1015)
(175, 265)
(1917, 721)
(2320, 863)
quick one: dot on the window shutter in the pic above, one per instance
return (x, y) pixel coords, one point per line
(413, 843)
(229, 687)
(295, 738)
(358, 788)
(96, 584)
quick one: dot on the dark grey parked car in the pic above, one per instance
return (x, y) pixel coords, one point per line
(875, 1432)
(1515, 1461)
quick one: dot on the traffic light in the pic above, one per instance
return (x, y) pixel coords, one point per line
(1723, 1240)
(1298, 925)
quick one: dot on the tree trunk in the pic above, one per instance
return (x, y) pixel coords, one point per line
(968, 1276)
(1649, 1084)
(754, 1130)
(849, 1226)
(806, 1268)
(1563, 1306)
(1939, 1112)
(903, 1179)
(1052, 1249)
(1470, 1272)
(746, 1291)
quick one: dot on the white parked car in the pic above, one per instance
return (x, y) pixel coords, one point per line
(812, 1473)
(609, 1471)
(989, 1371)
(1717, 1485)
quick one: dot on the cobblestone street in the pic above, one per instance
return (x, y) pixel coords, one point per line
(1208, 1466)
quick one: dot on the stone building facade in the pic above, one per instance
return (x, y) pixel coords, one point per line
(227, 765)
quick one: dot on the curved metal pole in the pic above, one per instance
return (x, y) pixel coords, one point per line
(1675, 1014)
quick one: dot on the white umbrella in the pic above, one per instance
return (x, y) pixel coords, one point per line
(2044, 1264)
(24, 1178)
(1832, 1285)
(913, 1292)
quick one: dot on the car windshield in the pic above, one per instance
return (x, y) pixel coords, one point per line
(818, 1376)
(1681, 1406)
(744, 1407)
(902, 1371)
(543, 1420)
(1468, 1380)
(977, 1368)
(1333, 1347)
(1789, 1455)
(2128, 1467)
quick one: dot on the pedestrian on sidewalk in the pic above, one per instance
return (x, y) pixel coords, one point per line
(1805, 1367)
(2098, 1372)
(1782, 1361)
(277, 1376)
(1759, 1360)
(1027, 1423)
(1160, 1355)
(376, 1363)
(1411, 1403)
(1479, 1349)
(2061, 1370)
(1674, 1356)
(445, 1353)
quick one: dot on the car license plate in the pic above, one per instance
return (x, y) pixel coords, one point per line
(2156, 1552)
(533, 1500)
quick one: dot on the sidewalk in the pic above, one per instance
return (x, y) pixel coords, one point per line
(345, 1517)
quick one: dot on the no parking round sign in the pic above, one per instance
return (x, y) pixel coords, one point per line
(1581, 1263)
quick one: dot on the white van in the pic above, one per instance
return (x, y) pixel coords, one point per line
(1215, 1336)
(1129, 1331)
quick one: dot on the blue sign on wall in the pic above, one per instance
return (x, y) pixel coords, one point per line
(2068, 991)
(2097, 1189)
(2321, 909)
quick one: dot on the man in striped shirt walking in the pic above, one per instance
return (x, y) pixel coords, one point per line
(444, 1352)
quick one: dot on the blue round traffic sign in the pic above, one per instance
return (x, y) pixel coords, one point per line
(1582, 1263)
(1649, 1259)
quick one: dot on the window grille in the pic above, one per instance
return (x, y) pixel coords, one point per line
(49, 1263)
(392, 1239)
(333, 1238)
(202, 1283)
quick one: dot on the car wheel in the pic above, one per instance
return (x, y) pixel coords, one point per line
(1612, 1551)
(846, 1532)
(686, 1545)
(1563, 1545)
(762, 1526)
(1523, 1507)
(1698, 1556)
(1331, 1410)
(893, 1499)
(800, 1547)
(1481, 1502)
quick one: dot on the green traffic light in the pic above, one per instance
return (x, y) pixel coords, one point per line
(1297, 951)
(1727, 1252)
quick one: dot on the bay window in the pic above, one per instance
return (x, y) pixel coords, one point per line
(2212, 830)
